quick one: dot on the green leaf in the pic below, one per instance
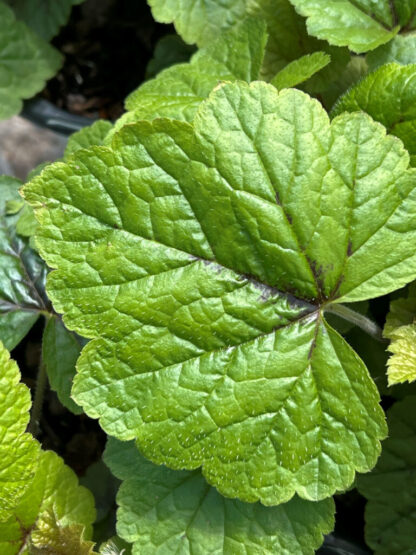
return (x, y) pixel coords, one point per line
(355, 70)
(44, 17)
(169, 50)
(400, 328)
(177, 91)
(199, 21)
(53, 510)
(361, 25)
(22, 273)
(91, 135)
(289, 40)
(389, 96)
(402, 50)
(300, 70)
(391, 488)
(180, 251)
(61, 369)
(161, 510)
(18, 450)
(26, 62)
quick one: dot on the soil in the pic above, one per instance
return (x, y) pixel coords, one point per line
(107, 45)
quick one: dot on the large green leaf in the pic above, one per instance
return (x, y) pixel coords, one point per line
(45, 17)
(389, 96)
(361, 25)
(199, 21)
(181, 250)
(22, 273)
(391, 487)
(177, 91)
(400, 328)
(164, 511)
(26, 62)
(18, 450)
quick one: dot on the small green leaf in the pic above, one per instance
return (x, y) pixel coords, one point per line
(91, 135)
(169, 50)
(44, 17)
(26, 62)
(300, 70)
(161, 510)
(201, 263)
(402, 50)
(389, 96)
(391, 487)
(18, 450)
(22, 273)
(361, 25)
(61, 369)
(199, 21)
(400, 328)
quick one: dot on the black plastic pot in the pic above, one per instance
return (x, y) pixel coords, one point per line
(45, 114)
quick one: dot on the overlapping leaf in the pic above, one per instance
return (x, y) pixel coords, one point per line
(179, 251)
(361, 25)
(91, 135)
(22, 273)
(300, 70)
(26, 62)
(402, 50)
(161, 510)
(389, 96)
(18, 450)
(391, 488)
(45, 17)
(400, 328)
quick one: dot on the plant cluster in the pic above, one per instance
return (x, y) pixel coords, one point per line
(212, 270)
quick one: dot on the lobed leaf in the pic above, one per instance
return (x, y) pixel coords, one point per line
(163, 510)
(389, 96)
(18, 450)
(390, 488)
(26, 62)
(362, 25)
(200, 262)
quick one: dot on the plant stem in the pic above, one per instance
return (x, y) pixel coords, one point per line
(41, 383)
(363, 322)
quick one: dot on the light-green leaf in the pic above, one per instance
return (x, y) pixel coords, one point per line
(161, 510)
(391, 487)
(26, 62)
(300, 70)
(18, 450)
(91, 135)
(180, 250)
(22, 273)
(400, 328)
(361, 25)
(45, 17)
(389, 96)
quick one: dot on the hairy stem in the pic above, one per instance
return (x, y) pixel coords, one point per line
(41, 383)
(363, 322)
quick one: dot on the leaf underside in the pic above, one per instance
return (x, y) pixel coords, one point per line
(201, 263)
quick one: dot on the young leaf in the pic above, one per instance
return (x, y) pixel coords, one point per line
(18, 450)
(177, 91)
(26, 62)
(179, 251)
(60, 351)
(45, 17)
(199, 21)
(22, 273)
(162, 510)
(391, 488)
(400, 328)
(91, 135)
(361, 25)
(300, 70)
(402, 50)
(53, 510)
(389, 96)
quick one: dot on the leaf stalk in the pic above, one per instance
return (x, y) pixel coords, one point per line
(360, 320)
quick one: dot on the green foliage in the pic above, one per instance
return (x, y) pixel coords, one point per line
(389, 96)
(42, 507)
(26, 62)
(300, 70)
(161, 510)
(361, 25)
(94, 134)
(391, 488)
(402, 50)
(45, 17)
